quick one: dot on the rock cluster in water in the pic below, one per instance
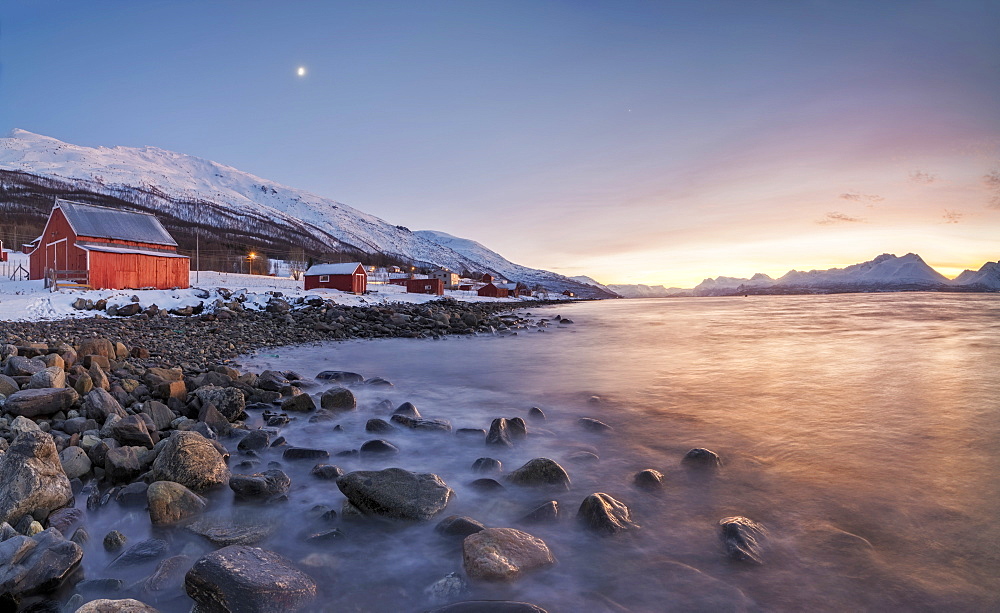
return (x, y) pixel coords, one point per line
(146, 414)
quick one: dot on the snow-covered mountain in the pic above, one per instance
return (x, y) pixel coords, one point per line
(648, 291)
(886, 272)
(592, 281)
(185, 191)
(504, 268)
(987, 277)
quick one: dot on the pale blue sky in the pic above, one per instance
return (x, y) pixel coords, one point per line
(633, 141)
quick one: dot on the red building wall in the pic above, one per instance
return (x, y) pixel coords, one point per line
(133, 271)
(492, 291)
(356, 283)
(57, 250)
(425, 286)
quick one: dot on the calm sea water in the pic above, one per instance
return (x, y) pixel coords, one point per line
(862, 430)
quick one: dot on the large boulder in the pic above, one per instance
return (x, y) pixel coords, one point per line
(743, 539)
(101, 404)
(503, 554)
(132, 431)
(420, 423)
(124, 605)
(396, 493)
(192, 460)
(603, 513)
(123, 464)
(241, 579)
(540, 472)
(36, 564)
(8, 385)
(229, 401)
(97, 346)
(41, 402)
(260, 486)
(338, 399)
(33, 478)
(171, 502)
(75, 462)
(53, 376)
(20, 366)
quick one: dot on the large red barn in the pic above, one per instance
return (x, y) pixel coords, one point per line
(349, 277)
(111, 248)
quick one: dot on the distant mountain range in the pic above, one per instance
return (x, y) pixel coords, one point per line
(885, 273)
(227, 206)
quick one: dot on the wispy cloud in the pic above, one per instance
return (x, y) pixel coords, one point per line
(836, 217)
(868, 200)
(923, 178)
(992, 181)
(952, 216)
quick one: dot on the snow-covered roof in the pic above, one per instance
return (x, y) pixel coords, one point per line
(106, 249)
(104, 222)
(333, 269)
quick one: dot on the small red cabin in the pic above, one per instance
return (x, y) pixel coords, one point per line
(492, 291)
(3, 254)
(487, 278)
(349, 277)
(111, 248)
(425, 286)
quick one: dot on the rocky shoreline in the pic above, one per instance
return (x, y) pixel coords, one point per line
(209, 334)
(148, 414)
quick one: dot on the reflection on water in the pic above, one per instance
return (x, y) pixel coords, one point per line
(862, 430)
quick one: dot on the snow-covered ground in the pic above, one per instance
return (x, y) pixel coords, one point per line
(30, 300)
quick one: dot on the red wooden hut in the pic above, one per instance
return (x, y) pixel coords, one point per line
(425, 286)
(108, 248)
(492, 291)
(349, 277)
(3, 254)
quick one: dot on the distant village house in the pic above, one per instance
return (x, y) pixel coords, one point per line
(448, 278)
(350, 277)
(492, 291)
(107, 248)
(425, 286)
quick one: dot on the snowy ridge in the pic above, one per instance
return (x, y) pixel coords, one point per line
(505, 268)
(987, 277)
(886, 272)
(173, 183)
(648, 291)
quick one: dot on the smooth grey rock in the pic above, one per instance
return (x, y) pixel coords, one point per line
(338, 399)
(171, 502)
(503, 554)
(248, 580)
(131, 431)
(36, 564)
(499, 434)
(122, 464)
(22, 424)
(142, 552)
(418, 423)
(547, 512)
(340, 376)
(122, 605)
(648, 479)
(594, 425)
(540, 472)
(229, 401)
(458, 525)
(743, 539)
(326, 471)
(75, 462)
(487, 465)
(41, 402)
(255, 440)
(243, 529)
(192, 460)
(260, 486)
(702, 458)
(303, 453)
(101, 404)
(396, 493)
(603, 513)
(51, 377)
(378, 426)
(33, 478)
